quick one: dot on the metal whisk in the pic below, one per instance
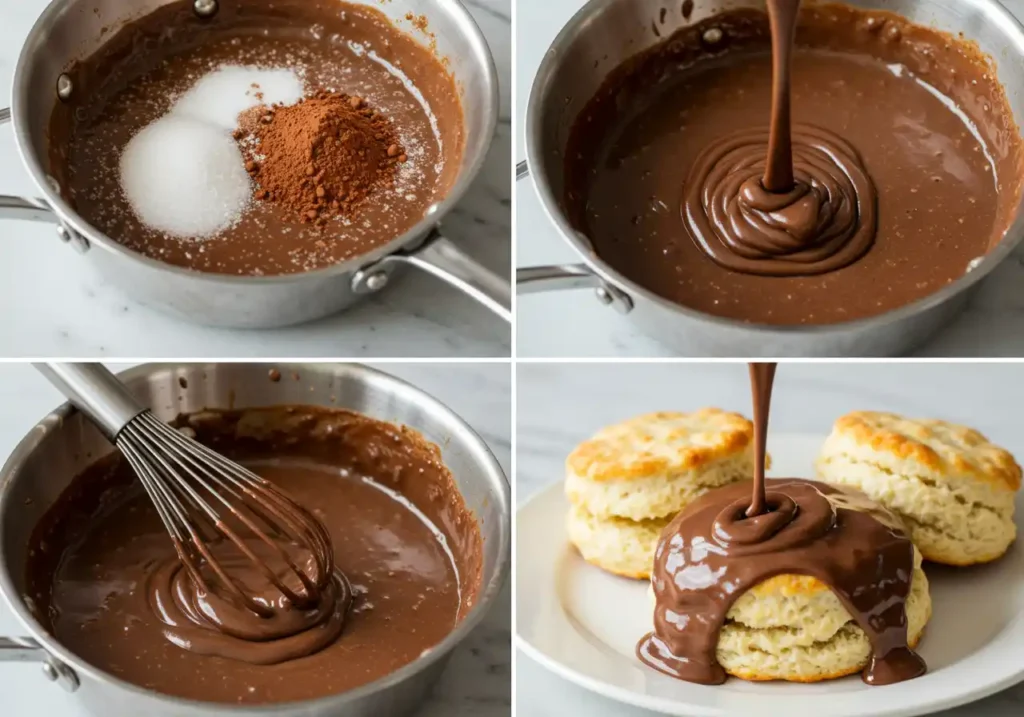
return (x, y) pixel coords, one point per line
(199, 494)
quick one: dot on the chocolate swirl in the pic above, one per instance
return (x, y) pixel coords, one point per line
(712, 553)
(212, 622)
(825, 221)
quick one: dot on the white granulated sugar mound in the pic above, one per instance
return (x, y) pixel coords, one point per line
(184, 177)
(221, 95)
(183, 174)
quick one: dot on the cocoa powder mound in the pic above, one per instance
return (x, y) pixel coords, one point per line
(320, 157)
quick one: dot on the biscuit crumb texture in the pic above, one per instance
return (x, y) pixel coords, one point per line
(620, 546)
(794, 628)
(952, 488)
(654, 465)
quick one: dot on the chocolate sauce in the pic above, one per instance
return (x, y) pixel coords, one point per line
(207, 619)
(135, 76)
(762, 376)
(780, 223)
(724, 544)
(778, 175)
(911, 169)
(107, 583)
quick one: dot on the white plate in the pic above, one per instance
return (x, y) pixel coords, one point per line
(583, 624)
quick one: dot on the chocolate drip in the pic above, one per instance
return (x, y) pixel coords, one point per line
(762, 376)
(778, 175)
(736, 537)
(758, 204)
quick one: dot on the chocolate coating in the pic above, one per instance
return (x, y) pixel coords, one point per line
(712, 553)
(734, 538)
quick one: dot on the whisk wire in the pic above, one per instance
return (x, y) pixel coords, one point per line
(174, 468)
(178, 444)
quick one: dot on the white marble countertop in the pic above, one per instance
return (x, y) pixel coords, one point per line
(559, 405)
(573, 323)
(477, 682)
(54, 305)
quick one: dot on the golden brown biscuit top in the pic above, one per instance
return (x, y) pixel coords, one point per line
(659, 444)
(945, 449)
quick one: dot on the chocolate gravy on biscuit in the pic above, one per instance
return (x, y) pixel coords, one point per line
(736, 537)
(899, 164)
(107, 584)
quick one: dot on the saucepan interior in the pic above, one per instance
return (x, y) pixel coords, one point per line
(69, 31)
(606, 33)
(64, 443)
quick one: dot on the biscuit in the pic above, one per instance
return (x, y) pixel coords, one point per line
(793, 628)
(954, 489)
(655, 465)
(618, 545)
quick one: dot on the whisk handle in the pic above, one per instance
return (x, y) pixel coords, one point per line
(96, 392)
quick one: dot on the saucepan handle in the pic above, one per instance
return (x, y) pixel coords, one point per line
(25, 649)
(17, 207)
(440, 257)
(562, 277)
(559, 277)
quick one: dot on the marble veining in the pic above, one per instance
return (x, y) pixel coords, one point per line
(54, 305)
(477, 681)
(574, 323)
(559, 405)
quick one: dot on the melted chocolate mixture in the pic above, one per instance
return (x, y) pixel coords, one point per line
(750, 212)
(135, 76)
(108, 585)
(746, 533)
(675, 176)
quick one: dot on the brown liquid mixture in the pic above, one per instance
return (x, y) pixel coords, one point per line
(134, 78)
(736, 537)
(920, 111)
(103, 556)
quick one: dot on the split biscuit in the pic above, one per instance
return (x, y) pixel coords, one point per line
(627, 482)
(655, 465)
(793, 628)
(619, 545)
(952, 488)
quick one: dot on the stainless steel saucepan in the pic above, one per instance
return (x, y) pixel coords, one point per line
(70, 30)
(65, 443)
(605, 33)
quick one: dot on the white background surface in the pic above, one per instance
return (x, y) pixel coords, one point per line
(573, 323)
(53, 305)
(560, 405)
(477, 682)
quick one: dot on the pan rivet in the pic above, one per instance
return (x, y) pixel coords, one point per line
(65, 236)
(50, 672)
(64, 86)
(603, 296)
(713, 35)
(376, 281)
(205, 8)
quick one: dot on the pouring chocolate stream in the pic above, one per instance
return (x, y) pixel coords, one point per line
(736, 537)
(795, 200)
